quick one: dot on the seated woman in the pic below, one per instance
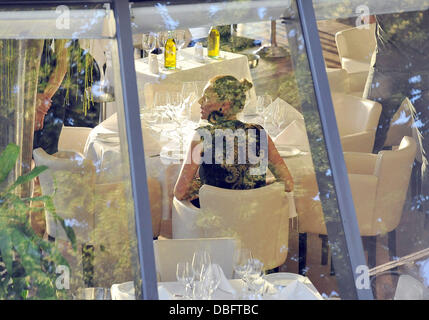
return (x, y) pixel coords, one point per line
(217, 155)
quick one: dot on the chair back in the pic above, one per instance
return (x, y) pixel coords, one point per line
(403, 124)
(257, 218)
(169, 252)
(393, 169)
(69, 179)
(355, 114)
(357, 43)
(73, 138)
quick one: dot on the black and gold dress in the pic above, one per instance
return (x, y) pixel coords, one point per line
(234, 156)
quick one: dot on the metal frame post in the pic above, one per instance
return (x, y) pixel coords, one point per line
(349, 243)
(143, 220)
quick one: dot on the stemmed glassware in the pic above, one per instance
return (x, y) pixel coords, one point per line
(161, 102)
(162, 39)
(241, 262)
(190, 96)
(179, 38)
(185, 276)
(211, 278)
(242, 266)
(279, 117)
(262, 103)
(148, 43)
(200, 262)
(253, 277)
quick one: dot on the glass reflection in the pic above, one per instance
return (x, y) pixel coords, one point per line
(382, 61)
(275, 100)
(66, 230)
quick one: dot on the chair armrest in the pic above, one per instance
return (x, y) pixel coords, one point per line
(363, 188)
(184, 220)
(360, 163)
(358, 142)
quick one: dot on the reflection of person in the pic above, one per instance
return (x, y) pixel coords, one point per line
(229, 168)
(400, 69)
(43, 101)
(61, 98)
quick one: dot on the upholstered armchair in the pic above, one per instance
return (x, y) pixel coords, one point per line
(379, 184)
(355, 49)
(258, 218)
(73, 138)
(357, 121)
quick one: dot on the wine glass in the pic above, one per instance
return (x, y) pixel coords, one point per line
(160, 103)
(279, 117)
(262, 103)
(242, 256)
(211, 278)
(179, 38)
(148, 43)
(185, 276)
(254, 273)
(162, 39)
(200, 291)
(176, 100)
(190, 96)
(200, 262)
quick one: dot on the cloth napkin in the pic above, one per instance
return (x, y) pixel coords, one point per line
(123, 291)
(297, 290)
(224, 284)
(409, 288)
(290, 113)
(295, 134)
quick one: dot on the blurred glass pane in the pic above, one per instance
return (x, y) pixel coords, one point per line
(379, 85)
(262, 43)
(67, 227)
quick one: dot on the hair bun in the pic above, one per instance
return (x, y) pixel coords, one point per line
(246, 84)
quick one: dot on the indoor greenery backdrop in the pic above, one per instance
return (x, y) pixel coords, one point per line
(27, 262)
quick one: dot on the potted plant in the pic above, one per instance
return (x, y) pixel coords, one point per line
(28, 263)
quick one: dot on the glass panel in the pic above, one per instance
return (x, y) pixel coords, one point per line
(269, 122)
(376, 57)
(67, 218)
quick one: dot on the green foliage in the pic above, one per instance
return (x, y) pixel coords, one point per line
(27, 262)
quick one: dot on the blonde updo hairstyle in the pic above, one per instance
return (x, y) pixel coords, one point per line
(229, 88)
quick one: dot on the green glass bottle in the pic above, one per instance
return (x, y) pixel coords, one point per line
(213, 43)
(170, 52)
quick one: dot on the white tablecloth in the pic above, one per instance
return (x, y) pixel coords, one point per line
(293, 287)
(189, 69)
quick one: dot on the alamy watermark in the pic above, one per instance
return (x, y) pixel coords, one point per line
(362, 277)
(251, 150)
(362, 21)
(63, 280)
(63, 17)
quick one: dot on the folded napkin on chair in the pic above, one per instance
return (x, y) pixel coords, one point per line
(289, 113)
(295, 134)
(224, 284)
(297, 290)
